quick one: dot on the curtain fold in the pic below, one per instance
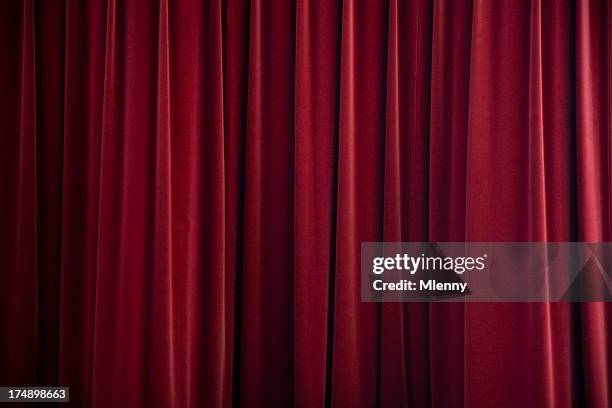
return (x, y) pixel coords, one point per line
(186, 186)
(317, 47)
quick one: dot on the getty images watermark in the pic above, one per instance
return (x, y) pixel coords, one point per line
(486, 272)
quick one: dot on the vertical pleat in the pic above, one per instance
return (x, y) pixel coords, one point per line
(536, 183)
(236, 45)
(592, 150)
(267, 276)
(189, 223)
(25, 250)
(82, 134)
(555, 63)
(591, 140)
(537, 189)
(161, 369)
(50, 39)
(393, 357)
(208, 288)
(190, 166)
(19, 302)
(451, 47)
(405, 369)
(360, 186)
(316, 117)
(557, 127)
(505, 198)
(106, 355)
(126, 231)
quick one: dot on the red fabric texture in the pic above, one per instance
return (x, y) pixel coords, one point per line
(185, 187)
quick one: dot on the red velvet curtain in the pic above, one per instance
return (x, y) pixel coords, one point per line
(185, 186)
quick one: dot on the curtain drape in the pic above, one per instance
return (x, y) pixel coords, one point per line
(185, 186)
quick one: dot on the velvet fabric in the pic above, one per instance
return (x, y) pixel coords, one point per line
(186, 184)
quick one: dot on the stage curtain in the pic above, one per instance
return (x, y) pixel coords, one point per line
(185, 186)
